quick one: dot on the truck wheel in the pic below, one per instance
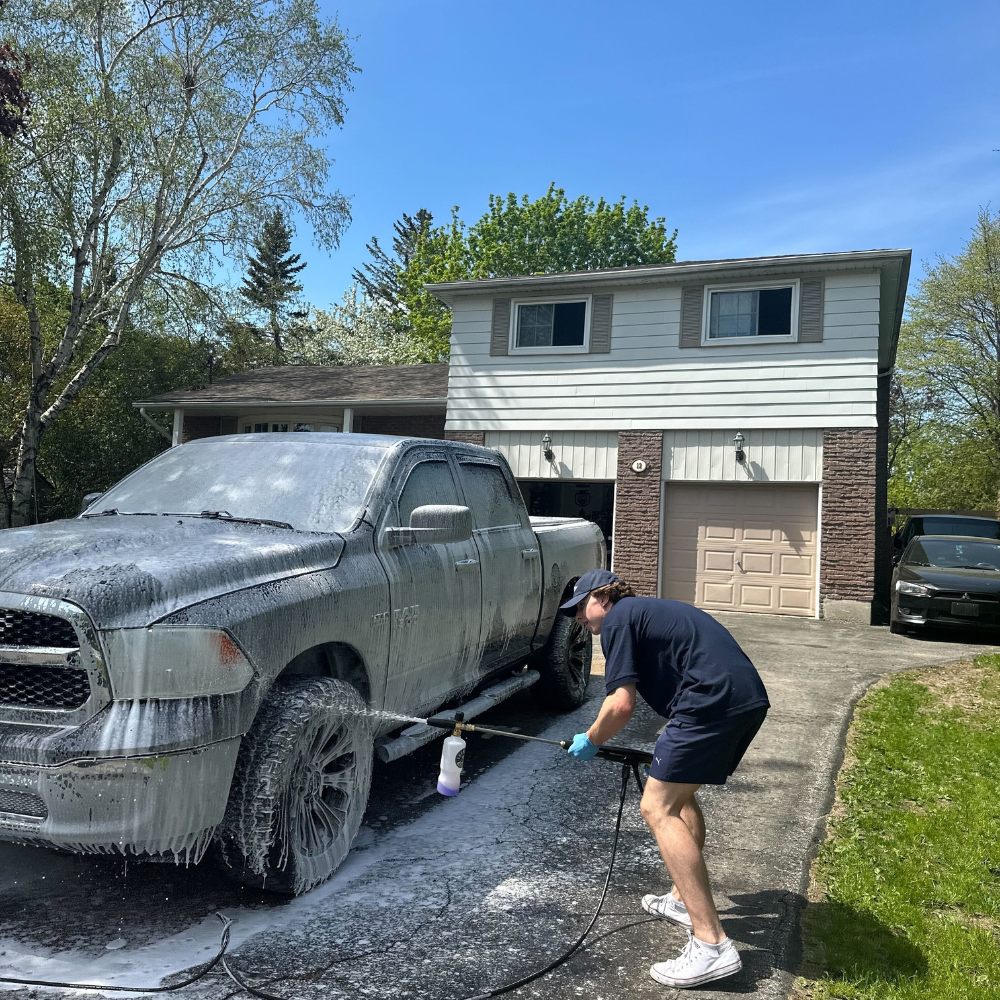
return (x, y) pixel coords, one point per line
(564, 663)
(300, 787)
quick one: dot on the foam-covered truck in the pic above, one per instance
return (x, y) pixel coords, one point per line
(210, 656)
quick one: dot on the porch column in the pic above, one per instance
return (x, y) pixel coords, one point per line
(178, 437)
(348, 423)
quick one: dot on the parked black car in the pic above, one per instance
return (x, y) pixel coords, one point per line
(951, 581)
(943, 524)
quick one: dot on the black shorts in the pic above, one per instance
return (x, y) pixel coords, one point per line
(697, 753)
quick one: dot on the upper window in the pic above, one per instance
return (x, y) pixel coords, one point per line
(488, 495)
(551, 327)
(427, 483)
(734, 313)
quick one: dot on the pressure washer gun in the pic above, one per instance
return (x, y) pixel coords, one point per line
(453, 751)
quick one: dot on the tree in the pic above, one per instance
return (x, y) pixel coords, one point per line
(515, 236)
(362, 331)
(948, 368)
(159, 137)
(270, 284)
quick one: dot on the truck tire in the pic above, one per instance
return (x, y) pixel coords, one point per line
(301, 786)
(564, 665)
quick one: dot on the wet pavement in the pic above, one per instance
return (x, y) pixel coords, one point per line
(444, 899)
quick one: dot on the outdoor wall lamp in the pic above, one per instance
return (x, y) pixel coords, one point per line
(741, 455)
(550, 455)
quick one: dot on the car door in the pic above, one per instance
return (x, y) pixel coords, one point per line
(435, 595)
(512, 567)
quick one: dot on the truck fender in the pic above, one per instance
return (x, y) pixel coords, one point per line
(333, 659)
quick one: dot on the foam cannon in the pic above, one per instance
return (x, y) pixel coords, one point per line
(453, 751)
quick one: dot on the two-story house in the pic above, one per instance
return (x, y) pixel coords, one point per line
(726, 420)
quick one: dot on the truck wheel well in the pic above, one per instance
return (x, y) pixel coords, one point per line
(332, 659)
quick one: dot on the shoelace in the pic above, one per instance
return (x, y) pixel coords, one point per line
(686, 957)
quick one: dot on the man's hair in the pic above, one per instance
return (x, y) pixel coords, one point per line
(614, 592)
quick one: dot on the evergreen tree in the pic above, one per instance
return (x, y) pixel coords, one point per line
(379, 279)
(270, 284)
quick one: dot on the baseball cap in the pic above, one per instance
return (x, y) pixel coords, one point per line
(588, 582)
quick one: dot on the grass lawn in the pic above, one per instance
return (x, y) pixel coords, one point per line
(905, 895)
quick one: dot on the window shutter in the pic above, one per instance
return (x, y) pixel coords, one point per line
(600, 324)
(692, 297)
(500, 331)
(811, 311)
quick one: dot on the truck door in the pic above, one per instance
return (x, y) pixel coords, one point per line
(512, 567)
(435, 597)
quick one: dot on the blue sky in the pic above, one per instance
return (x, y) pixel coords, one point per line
(752, 128)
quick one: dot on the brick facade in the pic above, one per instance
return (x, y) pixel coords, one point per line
(847, 563)
(466, 437)
(636, 550)
(201, 427)
(424, 425)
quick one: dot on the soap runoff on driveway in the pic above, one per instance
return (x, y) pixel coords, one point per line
(443, 899)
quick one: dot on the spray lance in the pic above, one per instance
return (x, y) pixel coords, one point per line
(453, 751)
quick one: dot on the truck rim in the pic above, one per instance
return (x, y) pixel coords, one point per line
(576, 650)
(322, 787)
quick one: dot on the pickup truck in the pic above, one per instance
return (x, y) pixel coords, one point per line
(209, 656)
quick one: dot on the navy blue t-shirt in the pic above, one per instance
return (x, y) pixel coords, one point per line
(681, 660)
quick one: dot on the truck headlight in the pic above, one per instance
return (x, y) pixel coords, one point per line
(912, 589)
(174, 661)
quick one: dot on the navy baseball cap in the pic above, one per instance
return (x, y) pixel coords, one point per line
(588, 582)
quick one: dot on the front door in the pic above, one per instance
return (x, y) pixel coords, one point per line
(435, 596)
(512, 565)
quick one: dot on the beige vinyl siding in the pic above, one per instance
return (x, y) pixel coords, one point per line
(587, 455)
(783, 455)
(648, 381)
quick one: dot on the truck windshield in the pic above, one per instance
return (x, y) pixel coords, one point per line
(312, 482)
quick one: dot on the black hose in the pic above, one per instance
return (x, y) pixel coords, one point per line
(524, 980)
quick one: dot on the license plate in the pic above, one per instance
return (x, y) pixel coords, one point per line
(965, 610)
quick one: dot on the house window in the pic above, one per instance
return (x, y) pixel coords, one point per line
(751, 312)
(551, 326)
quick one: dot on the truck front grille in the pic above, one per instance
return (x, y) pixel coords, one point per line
(22, 804)
(41, 687)
(29, 628)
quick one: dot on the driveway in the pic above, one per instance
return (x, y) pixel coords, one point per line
(442, 899)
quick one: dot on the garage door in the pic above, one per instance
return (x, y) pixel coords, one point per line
(741, 548)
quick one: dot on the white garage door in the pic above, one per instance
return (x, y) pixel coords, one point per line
(741, 548)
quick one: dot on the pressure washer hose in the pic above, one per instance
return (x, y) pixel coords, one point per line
(254, 991)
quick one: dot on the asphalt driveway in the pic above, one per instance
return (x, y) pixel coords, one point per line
(442, 899)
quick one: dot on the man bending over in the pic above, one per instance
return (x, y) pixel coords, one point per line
(690, 670)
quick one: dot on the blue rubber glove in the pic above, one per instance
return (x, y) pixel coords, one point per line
(582, 748)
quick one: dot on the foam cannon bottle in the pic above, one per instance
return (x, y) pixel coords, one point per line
(452, 761)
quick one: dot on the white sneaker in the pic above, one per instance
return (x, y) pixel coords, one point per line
(667, 908)
(697, 964)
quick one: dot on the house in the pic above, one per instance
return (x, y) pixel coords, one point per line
(725, 421)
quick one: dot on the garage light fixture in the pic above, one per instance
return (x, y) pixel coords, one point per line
(741, 455)
(550, 455)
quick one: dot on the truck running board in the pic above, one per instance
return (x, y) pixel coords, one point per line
(416, 736)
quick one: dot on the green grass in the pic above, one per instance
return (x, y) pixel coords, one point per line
(907, 883)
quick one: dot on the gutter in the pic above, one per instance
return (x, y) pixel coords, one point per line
(196, 403)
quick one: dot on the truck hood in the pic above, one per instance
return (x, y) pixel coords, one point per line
(131, 571)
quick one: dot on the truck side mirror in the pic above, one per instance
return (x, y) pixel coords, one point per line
(88, 500)
(433, 524)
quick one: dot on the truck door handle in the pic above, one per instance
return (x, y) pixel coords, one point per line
(529, 553)
(461, 564)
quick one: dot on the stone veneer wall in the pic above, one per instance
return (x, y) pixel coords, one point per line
(847, 562)
(636, 549)
(466, 437)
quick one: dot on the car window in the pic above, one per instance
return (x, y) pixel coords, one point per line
(427, 483)
(960, 526)
(959, 554)
(488, 495)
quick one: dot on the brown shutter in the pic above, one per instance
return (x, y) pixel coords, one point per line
(692, 297)
(600, 324)
(500, 331)
(811, 311)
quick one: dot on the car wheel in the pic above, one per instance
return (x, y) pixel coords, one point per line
(564, 665)
(301, 786)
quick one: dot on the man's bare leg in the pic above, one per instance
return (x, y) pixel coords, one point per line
(694, 820)
(663, 805)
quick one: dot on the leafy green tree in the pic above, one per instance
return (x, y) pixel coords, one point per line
(514, 236)
(270, 283)
(159, 135)
(948, 393)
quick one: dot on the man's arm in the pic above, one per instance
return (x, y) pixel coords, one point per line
(615, 712)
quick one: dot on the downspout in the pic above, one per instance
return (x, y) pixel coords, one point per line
(156, 427)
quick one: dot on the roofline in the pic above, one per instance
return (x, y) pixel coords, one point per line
(169, 404)
(447, 291)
